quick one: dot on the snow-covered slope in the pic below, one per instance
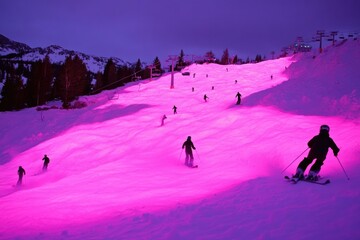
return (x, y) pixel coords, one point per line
(115, 173)
(330, 80)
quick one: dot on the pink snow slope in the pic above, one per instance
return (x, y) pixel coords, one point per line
(115, 173)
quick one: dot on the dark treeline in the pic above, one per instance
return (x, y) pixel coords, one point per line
(226, 58)
(30, 84)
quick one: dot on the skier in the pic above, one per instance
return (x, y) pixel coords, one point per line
(163, 119)
(238, 95)
(193, 89)
(21, 173)
(205, 98)
(189, 146)
(46, 160)
(175, 108)
(319, 146)
(235, 81)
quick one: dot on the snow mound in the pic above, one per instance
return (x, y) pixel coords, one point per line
(321, 85)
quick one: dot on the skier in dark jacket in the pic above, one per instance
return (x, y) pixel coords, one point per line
(175, 109)
(319, 146)
(189, 146)
(46, 160)
(238, 95)
(206, 98)
(163, 120)
(21, 173)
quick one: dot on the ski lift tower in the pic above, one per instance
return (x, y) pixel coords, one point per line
(320, 34)
(333, 34)
(172, 58)
(151, 67)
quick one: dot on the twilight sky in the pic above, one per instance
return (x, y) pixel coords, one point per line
(132, 29)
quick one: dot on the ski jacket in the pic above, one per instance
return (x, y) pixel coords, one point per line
(46, 159)
(188, 144)
(21, 171)
(319, 145)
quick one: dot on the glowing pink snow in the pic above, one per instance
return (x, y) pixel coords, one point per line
(113, 167)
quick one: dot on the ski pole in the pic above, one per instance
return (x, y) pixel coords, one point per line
(343, 168)
(294, 160)
(198, 155)
(180, 154)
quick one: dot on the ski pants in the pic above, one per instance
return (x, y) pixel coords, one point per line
(45, 166)
(308, 160)
(189, 158)
(19, 182)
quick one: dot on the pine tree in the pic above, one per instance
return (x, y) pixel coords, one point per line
(138, 70)
(235, 60)
(124, 75)
(38, 87)
(156, 69)
(32, 84)
(99, 82)
(225, 57)
(73, 80)
(180, 64)
(46, 81)
(12, 92)
(110, 75)
(157, 64)
(210, 57)
(80, 77)
(258, 58)
(66, 82)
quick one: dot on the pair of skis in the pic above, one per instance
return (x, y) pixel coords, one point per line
(192, 166)
(296, 180)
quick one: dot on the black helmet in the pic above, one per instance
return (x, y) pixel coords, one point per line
(325, 128)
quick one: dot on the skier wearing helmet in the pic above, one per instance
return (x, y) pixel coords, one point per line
(319, 146)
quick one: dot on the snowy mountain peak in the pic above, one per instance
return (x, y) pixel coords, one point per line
(15, 51)
(8, 46)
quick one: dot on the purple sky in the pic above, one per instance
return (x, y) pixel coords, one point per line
(145, 29)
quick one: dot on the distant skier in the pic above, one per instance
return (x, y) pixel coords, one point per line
(235, 81)
(21, 173)
(212, 88)
(175, 109)
(206, 98)
(193, 89)
(163, 119)
(238, 95)
(46, 160)
(319, 146)
(189, 146)
(271, 77)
